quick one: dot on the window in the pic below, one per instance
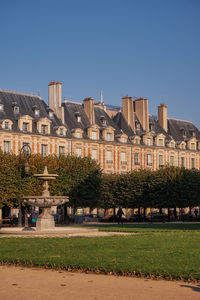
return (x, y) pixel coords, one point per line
(94, 154)
(61, 150)
(136, 141)
(123, 158)
(6, 146)
(109, 157)
(61, 131)
(44, 150)
(94, 135)
(43, 129)
(109, 136)
(78, 151)
(160, 142)
(1, 107)
(50, 114)
(160, 159)
(16, 109)
(78, 134)
(171, 161)
(136, 159)
(192, 163)
(149, 163)
(6, 125)
(148, 141)
(78, 118)
(182, 161)
(37, 112)
(123, 140)
(25, 126)
(192, 146)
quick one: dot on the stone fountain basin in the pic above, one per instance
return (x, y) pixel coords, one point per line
(43, 202)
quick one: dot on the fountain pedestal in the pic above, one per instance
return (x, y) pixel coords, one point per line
(45, 221)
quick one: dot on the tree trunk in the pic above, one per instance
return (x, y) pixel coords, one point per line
(160, 210)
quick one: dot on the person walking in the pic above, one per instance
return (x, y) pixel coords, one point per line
(119, 214)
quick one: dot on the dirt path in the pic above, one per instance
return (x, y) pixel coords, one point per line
(38, 284)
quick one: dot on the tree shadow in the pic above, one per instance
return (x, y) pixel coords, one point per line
(194, 288)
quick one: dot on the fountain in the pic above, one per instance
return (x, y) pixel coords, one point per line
(45, 221)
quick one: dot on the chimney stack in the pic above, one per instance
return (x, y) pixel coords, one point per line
(162, 116)
(55, 94)
(127, 110)
(141, 110)
(89, 109)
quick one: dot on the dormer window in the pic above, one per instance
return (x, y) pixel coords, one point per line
(25, 126)
(78, 116)
(183, 132)
(43, 129)
(61, 131)
(1, 107)
(6, 125)
(192, 132)
(123, 140)
(108, 136)
(148, 141)
(151, 127)
(103, 120)
(37, 112)
(16, 109)
(94, 135)
(137, 125)
(50, 114)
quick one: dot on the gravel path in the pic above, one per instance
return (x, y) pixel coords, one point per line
(38, 284)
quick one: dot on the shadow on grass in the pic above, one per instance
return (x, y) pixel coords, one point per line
(194, 288)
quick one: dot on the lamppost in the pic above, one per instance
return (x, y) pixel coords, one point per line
(25, 151)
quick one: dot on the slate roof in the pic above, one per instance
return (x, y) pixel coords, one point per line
(26, 103)
(182, 130)
(72, 109)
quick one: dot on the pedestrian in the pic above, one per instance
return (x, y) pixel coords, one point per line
(196, 213)
(119, 214)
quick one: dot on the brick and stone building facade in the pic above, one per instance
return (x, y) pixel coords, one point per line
(119, 139)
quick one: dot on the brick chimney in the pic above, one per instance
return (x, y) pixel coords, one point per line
(55, 94)
(141, 110)
(89, 109)
(127, 110)
(162, 116)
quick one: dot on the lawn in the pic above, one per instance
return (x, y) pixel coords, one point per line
(170, 254)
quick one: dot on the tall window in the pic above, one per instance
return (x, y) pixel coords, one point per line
(160, 158)
(25, 126)
(94, 154)
(149, 163)
(136, 159)
(109, 136)
(6, 125)
(61, 150)
(94, 135)
(171, 161)
(61, 131)
(109, 157)
(182, 161)
(148, 141)
(123, 158)
(6, 145)
(43, 129)
(192, 162)
(44, 150)
(78, 152)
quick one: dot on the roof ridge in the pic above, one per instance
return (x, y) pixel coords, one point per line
(180, 120)
(20, 93)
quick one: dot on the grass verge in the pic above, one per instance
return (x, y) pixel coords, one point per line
(168, 255)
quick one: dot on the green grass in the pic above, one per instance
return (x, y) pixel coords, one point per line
(147, 227)
(166, 254)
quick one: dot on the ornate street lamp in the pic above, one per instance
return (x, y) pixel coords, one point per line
(25, 151)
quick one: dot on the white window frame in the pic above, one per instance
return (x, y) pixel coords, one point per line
(44, 150)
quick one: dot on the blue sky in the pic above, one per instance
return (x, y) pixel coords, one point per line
(147, 48)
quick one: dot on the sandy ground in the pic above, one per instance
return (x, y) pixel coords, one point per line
(38, 284)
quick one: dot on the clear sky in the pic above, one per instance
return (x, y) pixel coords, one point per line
(143, 48)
